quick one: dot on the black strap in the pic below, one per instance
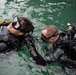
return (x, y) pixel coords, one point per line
(5, 24)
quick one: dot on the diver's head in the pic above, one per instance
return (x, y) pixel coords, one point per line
(22, 25)
(49, 34)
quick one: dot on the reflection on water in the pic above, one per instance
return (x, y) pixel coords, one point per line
(41, 13)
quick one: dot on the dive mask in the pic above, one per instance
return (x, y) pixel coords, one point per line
(16, 23)
(45, 39)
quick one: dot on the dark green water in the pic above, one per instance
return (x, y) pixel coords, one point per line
(41, 13)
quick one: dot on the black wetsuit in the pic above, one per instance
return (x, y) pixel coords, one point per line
(64, 50)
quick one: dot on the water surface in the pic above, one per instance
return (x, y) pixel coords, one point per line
(41, 13)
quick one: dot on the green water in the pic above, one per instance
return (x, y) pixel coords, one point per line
(41, 13)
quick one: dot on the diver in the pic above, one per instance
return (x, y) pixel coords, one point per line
(13, 34)
(63, 48)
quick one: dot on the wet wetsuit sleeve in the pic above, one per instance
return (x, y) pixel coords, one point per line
(55, 56)
(33, 52)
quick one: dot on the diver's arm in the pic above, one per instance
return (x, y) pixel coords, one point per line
(32, 50)
(54, 56)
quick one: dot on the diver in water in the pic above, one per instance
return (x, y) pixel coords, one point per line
(15, 33)
(63, 48)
